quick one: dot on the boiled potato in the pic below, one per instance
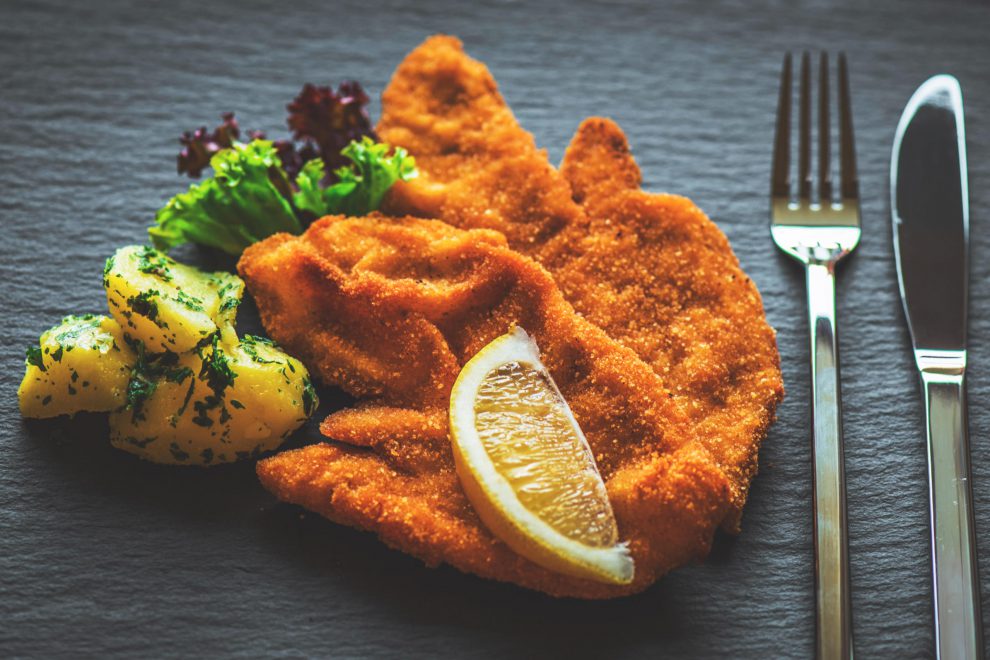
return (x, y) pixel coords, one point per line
(180, 386)
(81, 364)
(167, 305)
(227, 401)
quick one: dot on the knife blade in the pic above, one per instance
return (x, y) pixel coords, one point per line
(929, 201)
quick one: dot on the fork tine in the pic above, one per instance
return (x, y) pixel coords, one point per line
(824, 135)
(780, 184)
(804, 139)
(850, 185)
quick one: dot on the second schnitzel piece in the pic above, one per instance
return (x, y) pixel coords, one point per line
(390, 310)
(660, 277)
(651, 270)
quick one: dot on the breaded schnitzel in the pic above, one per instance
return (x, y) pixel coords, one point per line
(651, 270)
(390, 309)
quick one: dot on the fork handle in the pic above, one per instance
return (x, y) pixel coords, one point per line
(834, 609)
(958, 623)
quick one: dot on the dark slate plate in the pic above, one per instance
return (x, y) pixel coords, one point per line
(101, 554)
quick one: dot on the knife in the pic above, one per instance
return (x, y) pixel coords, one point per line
(930, 212)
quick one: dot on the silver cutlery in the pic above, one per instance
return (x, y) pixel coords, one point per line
(929, 205)
(818, 231)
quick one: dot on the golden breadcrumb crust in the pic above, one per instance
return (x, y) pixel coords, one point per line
(390, 309)
(651, 270)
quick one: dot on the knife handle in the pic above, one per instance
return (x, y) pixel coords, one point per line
(834, 610)
(958, 626)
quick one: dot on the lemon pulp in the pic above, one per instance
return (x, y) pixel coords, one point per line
(526, 466)
(523, 424)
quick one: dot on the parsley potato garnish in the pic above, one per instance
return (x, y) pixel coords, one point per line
(223, 401)
(80, 364)
(180, 385)
(167, 305)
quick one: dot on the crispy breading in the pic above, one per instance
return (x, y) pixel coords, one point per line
(390, 309)
(660, 277)
(478, 167)
(651, 270)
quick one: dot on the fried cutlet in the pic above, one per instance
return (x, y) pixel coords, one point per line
(651, 270)
(389, 309)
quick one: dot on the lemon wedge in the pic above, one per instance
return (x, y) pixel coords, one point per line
(526, 466)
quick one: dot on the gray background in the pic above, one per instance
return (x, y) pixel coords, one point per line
(103, 554)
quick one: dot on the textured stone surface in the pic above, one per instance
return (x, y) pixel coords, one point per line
(102, 554)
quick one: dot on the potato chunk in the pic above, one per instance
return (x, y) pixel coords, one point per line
(167, 305)
(81, 364)
(228, 401)
(179, 385)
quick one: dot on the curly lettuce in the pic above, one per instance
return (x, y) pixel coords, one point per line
(250, 197)
(360, 187)
(245, 201)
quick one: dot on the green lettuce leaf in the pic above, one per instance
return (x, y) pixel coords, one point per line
(246, 200)
(361, 186)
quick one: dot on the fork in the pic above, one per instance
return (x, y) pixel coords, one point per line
(818, 231)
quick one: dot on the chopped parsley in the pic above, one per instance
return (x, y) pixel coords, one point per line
(218, 376)
(177, 453)
(177, 374)
(229, 303)
(107, 268)
(142, 443)
(310, 400)
(249, 344)
(153, 262)
(35, 357)
(202, 409)
(144, 304)
(73, 327)
(190, 302)
(216, 369)
(146, 374)
(185, 401)
(139, 389)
